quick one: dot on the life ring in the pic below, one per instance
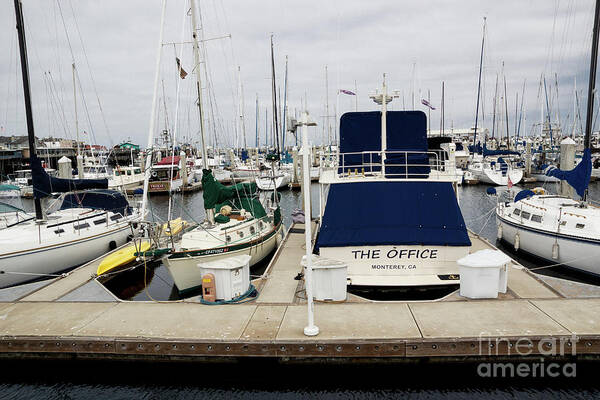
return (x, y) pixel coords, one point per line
(539, 190)
(154, 174)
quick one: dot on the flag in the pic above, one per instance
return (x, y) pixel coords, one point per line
(182, 73)
(347, 92)
(510, 184)
(427, 104)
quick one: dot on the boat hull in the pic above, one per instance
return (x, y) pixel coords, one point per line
(52, 259)
(578, 253)
(185, 271)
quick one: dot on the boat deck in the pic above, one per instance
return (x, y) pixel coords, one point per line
(74, 315)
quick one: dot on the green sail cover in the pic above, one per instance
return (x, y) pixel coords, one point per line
(242, 195)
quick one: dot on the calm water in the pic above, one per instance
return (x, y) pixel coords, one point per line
(269, 379)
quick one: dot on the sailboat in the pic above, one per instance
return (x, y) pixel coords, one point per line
(236, 220)
(89, 219)
(559, 228)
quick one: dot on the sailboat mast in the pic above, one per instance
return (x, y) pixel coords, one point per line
(328, 126)
(479, 83)
(76, 117)
(494, 113)
(592, 79)
(27, 95)
(274, 98)
(148, 164)
(284, 119)
(256, 138)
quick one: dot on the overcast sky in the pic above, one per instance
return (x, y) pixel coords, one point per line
(418, 44)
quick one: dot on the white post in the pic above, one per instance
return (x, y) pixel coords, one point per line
(311, 329)
(383, 125)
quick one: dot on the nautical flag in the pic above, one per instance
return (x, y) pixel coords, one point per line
(427, 104)
(347, 92)
(510, 184)
(182, 73)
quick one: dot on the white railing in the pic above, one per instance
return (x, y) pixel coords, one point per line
(371, 164)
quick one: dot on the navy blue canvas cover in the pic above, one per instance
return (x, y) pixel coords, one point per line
(108, 200)
(405, 131)
(44, 184)
(392, 213)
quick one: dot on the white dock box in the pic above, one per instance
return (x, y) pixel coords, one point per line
(329, 278)
(232, 275)
(483, 274)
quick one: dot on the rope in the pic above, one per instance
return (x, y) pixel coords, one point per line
(32, 274)
(563, 263)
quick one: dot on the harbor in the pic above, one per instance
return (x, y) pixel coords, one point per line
(249, 200)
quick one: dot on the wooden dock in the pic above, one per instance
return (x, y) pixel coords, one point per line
(75, 316)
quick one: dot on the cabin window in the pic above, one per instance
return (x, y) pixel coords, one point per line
(525, 215)
(99, 221)
(536, 218)
(137, 171)
(517, 211)
(115, 217)
(563, 223)
(260, 224)
(252, 230)
(117, 173)
(241, 234)
(580, 226)
(128, 172)
(81, 226)
(59, 231)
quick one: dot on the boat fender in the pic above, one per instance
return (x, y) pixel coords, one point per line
(209, 288)
(112, 245)
(539, 190)
(154, 174)
(517, 241)
(499, 231)
(555, 251)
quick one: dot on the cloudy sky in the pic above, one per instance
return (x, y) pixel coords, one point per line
(418, 44)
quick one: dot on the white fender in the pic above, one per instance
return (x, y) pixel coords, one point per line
(555, 251)
(517, 241)
(499, 236)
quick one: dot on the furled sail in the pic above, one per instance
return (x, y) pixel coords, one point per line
(578, 177)
(242, 195)
(44, 184)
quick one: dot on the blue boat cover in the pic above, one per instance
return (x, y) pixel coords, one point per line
(44, 184)
(108, 200)
(392, 213)
(578, 177)
(523, 194)
(487, 152)
(405, 131)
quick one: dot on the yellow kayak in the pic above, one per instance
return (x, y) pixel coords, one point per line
(122, 257)
(176, 226)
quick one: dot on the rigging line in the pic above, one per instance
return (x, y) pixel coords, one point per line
(87, 112)
(59, 106)
(87, 61)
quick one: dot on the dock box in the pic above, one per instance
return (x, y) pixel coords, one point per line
(483, 274)
(232, 275)
(329, 278)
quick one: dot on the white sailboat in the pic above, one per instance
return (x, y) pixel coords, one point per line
(495, 170)
(242, 224)
(558, 228)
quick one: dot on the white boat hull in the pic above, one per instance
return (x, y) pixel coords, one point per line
(268, 183)
(581, 254)
(185, 271)
(57, 257)
(496, 177)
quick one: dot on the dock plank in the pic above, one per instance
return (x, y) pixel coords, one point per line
(49, 319)
(62, 286)
(265, 323)
(524, 285)
(174, 320)
(483, 318)
(580, 316)
(351, 321)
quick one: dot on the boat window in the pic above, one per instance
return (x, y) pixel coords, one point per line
(536, 218)
(580, 226)
(117, 173)
(99, 221)
(525, 215)
(252, 230)
(81, 226)
(128, 172)
(137, 171)
(563, 223)
(241, 233)
(115, 217)
(517, 211)
(59, 231)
